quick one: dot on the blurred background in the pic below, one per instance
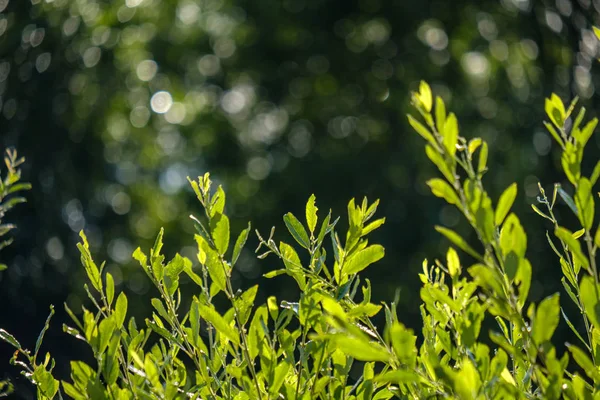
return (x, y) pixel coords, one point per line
(114, 103)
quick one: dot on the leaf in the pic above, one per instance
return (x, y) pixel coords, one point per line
(363, 259)
(585, 203)
(450, 134)
(40, 339)
(220, 324)
(311, 213)
(584, 362)
(444, 166)
(88, 263)
(440, 113)
(10, 339)
(567, 199)
(296, 230)
(555, 109)
(425, 96)
(422, 130)
(362, 350)
(589, 297)
(441, 188)
(218, 203)
(505, 203)
(567, 237)
(483, 156)
(110, 288)
(219, 226)
(278, 378)
(546, 319)
(245, 302)
(239, 244)
(458, 241)
(372, 226)
(120, 310)
(453, 262)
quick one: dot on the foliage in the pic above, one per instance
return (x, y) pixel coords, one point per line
(10, 185)
(321, 82)
(308, 349)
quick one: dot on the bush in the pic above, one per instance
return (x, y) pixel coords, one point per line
(306, 349)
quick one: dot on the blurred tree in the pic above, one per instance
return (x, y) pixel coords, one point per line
(114, 103)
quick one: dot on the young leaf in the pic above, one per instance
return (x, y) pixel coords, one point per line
(110, 288)
(10, 339)
(219, 225)
(220, 324)
(589, 297)
(425, 96)
(458, 241)
(567, 237)
(120, 310)
(422, 130)
(360, 349)
(239, 244)
(363, 259)
(296, 230)
(440, 113)
(311, 214)
(442, 189)
(450, 134)
(505, 203)
(546, 319)
(584, 201)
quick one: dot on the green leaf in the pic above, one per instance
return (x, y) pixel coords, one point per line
(425, 96)
(446, 167)
(440, 113)
(363, 259)
(584, 201)
(40, 339)
(567, 237)
(422, 130)
(584, 362)
(589, 297)
(296, 230)
(441, 188)
(278, 378)
(244, 304)
(567, 199)
(360, 349)
(404, 344)
(219, 226)
(311, 213)
(120, 310)
(239, 244)
(555, 109)
(483, 156)
(450, 134)
(218, 203)
(546, 319)
(458, 241)
(88, 263)
(10, 339)
(505, 203)
(211, 259)
(597, 32)
(220, 324)
(372, 226)
(110, 288)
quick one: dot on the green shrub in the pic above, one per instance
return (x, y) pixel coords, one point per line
(306, 349)
(10, 185)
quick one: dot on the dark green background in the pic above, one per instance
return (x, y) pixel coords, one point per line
(282, 99)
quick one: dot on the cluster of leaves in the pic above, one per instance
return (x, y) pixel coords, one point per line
(10, 185)
(308, 348)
